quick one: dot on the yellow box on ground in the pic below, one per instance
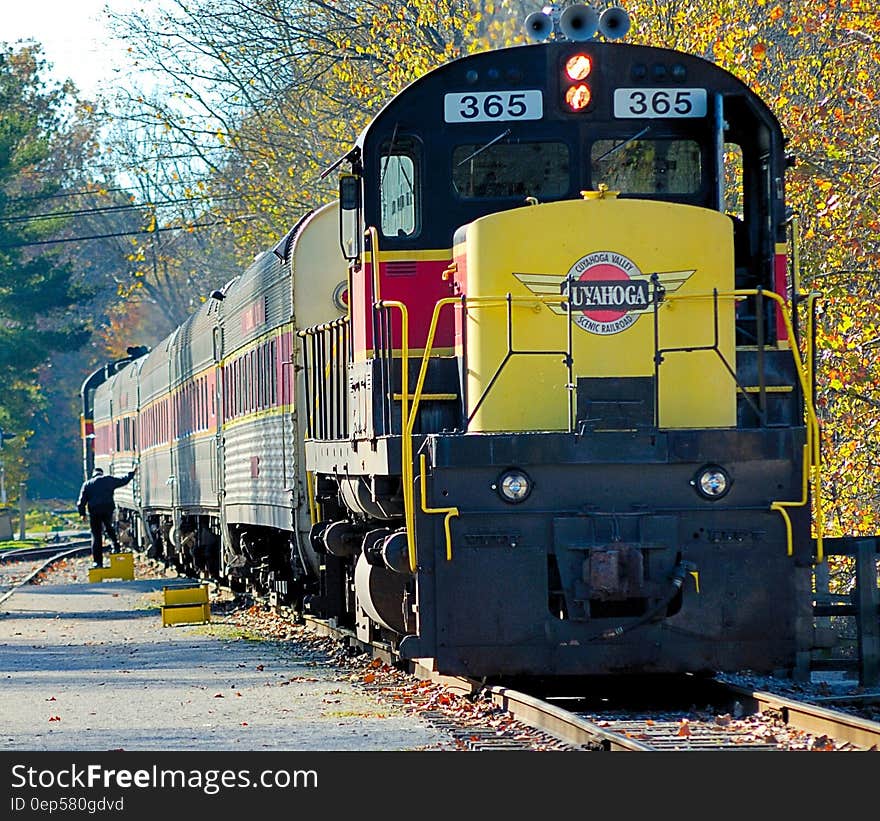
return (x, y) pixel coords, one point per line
(121, 567)
(186, 605)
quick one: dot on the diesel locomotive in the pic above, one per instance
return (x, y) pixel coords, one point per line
(531, 397)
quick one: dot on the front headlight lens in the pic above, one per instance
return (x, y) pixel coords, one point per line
(513, 486)
(712, 482)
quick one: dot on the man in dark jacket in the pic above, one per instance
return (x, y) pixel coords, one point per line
(96, 494)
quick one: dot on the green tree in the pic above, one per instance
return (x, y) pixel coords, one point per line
(38, 124)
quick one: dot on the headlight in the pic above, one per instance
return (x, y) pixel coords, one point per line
(513, 486)
(712, 482)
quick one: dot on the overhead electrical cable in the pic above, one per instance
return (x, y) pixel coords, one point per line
(111, 208)
(142, 232)
(100, 191)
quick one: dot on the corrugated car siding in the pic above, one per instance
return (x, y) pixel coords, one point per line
(195, 456)
(267, 281)
(155, 468)
(195, 465)
(258, 469)
(156, 372)
(193, 348)
(126, 403)
(257, 450)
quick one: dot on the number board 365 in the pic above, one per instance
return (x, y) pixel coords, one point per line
(493, 106)
(660, 102)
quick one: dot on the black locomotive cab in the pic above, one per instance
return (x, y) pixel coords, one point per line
(547, 121)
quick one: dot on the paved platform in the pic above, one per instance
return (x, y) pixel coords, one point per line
(90, 667)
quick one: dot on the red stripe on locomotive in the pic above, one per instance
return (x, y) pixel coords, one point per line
(417, 283)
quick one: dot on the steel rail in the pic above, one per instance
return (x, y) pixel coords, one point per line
(538, 714)
(814, 719)
(58, 555)
(47, 550)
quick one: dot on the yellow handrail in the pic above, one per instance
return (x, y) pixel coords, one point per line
(406, 443)
(812, 473)
(373, 234)
(812, 448)
(449, 511)
(404, 356)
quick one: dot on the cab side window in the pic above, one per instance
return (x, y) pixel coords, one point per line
(400, 188)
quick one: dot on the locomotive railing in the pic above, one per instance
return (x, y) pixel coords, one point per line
(325, 377)
(407, 439)
(568, 359)
(812, 463)
(811, 474)
(406, 449)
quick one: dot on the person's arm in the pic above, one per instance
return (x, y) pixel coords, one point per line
(120, 481)
(81, 502)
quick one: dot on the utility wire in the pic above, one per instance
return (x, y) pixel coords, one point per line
(100, 191)
(129, 233)
(146, 206)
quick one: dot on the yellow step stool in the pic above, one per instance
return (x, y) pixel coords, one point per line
(186, 605)
(121, 567)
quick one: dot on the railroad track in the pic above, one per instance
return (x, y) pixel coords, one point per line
(743, 719)
(21, 566)
(817, 719)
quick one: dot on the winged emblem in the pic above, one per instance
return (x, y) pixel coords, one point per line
(606, 290)
(547, 285)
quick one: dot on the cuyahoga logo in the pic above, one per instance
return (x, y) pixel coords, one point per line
(606, 289)
(602, 289)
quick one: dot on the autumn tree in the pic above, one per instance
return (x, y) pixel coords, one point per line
(263, 96)
(817, 65)
(38, 124)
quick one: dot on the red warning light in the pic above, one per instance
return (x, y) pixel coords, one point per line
(578, 67)
(578, 97)
(577, 93)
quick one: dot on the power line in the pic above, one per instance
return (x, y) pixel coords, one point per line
(110, 208)
(75, 213)
(100, 191)
(129, 233)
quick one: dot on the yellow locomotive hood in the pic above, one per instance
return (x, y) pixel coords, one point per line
(628, 289)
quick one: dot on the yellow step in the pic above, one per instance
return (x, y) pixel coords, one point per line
(121, 567)
(191, 594)
(186, 605)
